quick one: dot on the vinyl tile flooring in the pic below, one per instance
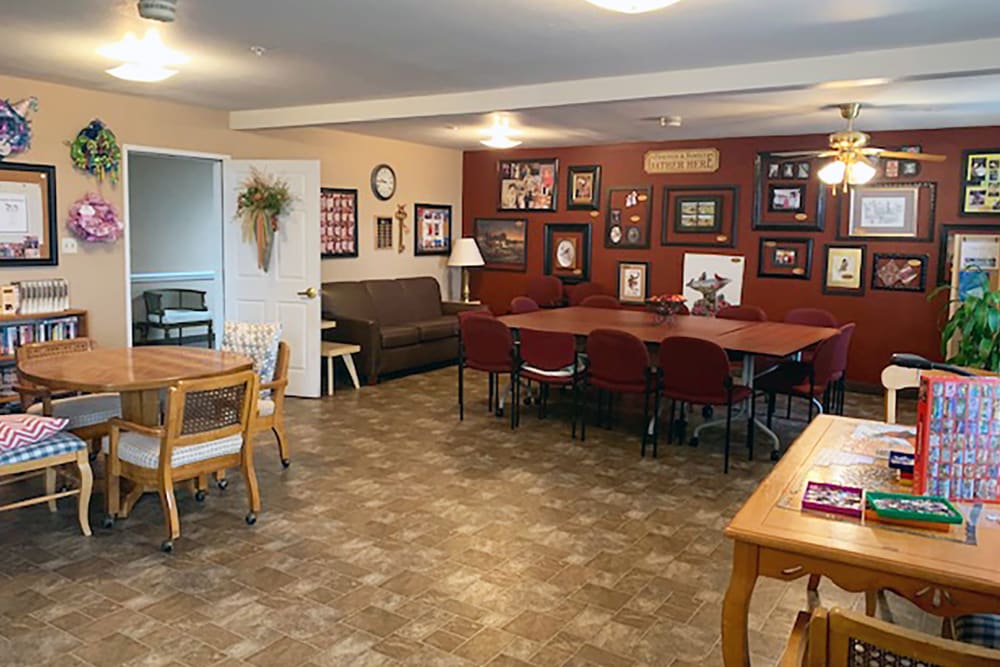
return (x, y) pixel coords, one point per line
(401, 536)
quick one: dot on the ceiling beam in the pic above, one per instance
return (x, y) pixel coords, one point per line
(934, 61)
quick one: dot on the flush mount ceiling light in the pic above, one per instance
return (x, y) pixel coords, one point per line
(147, 60)
(500, 134)
(633, 6)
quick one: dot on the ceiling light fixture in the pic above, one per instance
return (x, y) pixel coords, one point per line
(147, 60)
(671, 121)
(500, 134)
(633, 6)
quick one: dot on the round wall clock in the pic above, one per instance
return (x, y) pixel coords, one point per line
(383, 182)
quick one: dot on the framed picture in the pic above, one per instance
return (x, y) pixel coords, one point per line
(503, 243)
(629, 217)
(633, 282)
(567, 251)
(946, 246)
(802, 170)
(528, 185)
(787, 197)
(844, 270)
(383, 233)
(431, 229)
(700, 215)
(980, 189)
(883, 211)
(584, 188)
(338, 217)
(785, 258)
(900, 273)
(28, 215)
(695, 214)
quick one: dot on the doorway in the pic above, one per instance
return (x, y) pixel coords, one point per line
(174, 252)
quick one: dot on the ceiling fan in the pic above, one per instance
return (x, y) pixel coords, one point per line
(854, 160)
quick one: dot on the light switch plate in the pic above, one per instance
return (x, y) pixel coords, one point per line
(70, 246)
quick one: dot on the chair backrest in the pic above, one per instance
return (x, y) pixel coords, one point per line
(617, 357)
(466, 314)
(546, 291)
(744, 313)
(693, 366)
(52, 348)
(208, 409)
(824, 359)
(580, 291)
(601, 301)
(523, 304)
(842, 348)
(486, 342)
(547, 350)
(259, 341)
(844, 639)
(158, 301)
(895, 378)
(815, 317)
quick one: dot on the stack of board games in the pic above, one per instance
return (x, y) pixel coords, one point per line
(958, 439)
(928, 512)
(902, 463)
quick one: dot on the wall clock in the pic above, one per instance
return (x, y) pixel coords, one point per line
(383, 182)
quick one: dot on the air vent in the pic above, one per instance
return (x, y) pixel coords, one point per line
(158, 10)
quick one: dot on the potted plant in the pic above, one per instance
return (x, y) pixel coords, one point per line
(975, 326)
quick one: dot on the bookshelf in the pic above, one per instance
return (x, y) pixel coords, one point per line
(17, 330)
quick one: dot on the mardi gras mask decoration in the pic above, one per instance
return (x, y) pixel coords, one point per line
(15, 128)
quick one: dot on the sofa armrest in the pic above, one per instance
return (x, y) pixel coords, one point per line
(456, 307)
(366, 333)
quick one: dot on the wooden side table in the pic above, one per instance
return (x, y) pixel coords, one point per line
(331, 351)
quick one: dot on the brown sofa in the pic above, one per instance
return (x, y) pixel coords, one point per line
(400, 324)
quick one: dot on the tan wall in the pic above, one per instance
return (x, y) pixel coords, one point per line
(97, 273)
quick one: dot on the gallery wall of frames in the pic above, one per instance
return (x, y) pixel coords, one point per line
(870, 256)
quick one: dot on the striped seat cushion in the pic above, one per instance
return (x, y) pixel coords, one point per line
(981, 629)
(88, 410)
(62, 442)
(144, 451)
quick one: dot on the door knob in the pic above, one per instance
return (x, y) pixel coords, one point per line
(309, 293)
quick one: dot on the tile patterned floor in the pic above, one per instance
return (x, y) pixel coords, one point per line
(400, 536)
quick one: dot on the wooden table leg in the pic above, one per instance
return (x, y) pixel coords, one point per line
(736, 605)
(142, 407)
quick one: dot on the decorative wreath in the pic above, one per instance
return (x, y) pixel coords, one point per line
(15, 128)
(95, 220)
(262, 200)
(95, 151)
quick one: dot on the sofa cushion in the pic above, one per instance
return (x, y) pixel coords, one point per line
(399, 336)
(423, 297)
(389, 301)
(348, 299)
(437, 328)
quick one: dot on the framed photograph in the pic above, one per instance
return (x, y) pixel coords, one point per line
(697, 214)
(28, 215)
(528, 185)
(629, 217)
(980, 187)
(786, 198)
(584, 188)
(802, 170)
(567, 251)
(503, 243)
(633, 282)
(785, 258)
(774, 171)
(383, 233)
(899, 273)
(946, 246)
(844, 270)
(338, 217)
(431, 229)
(883, 211)
(788, 170)
(700, 216)
(893, 168)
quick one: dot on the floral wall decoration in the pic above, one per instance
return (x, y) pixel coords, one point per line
(15, 127)
(95, 220)
(262, 200)
(95, 150)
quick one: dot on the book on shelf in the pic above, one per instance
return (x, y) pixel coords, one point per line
(15, 335)
(42, 296)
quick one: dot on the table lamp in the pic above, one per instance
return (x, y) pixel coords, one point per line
(465, 254)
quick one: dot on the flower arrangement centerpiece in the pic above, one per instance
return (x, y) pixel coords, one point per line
(95, 220)
(95, 150)
(261, 202)
(15, 127)
(666, 306)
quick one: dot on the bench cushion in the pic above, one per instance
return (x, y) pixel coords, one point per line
(144, 451)
(88, 410)
(62, 442)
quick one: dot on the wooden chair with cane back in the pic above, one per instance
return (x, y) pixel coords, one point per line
(206, 429)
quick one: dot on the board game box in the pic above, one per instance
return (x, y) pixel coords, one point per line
(822, 497)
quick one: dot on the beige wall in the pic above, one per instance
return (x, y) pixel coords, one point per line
(97, 273)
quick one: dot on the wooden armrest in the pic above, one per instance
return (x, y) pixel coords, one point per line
(124, 425)
(795, 651)
(274, 385)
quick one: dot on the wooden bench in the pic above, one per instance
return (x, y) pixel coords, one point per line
(331, 351)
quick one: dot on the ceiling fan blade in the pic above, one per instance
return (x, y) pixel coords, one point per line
(798, 154)
(919, 157)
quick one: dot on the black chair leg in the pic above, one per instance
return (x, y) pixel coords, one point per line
(671, 427)
(788, 408)
(656, 423)
(461, 392)
(576, 396)
(729, 427)
(513, 400)
(489, 392)
(584, 390)
(645, 421)
(771, 400)
(751, 424)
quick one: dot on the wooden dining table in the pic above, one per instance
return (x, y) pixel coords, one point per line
(944, 573)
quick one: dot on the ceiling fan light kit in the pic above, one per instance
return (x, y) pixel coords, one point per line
(158, 10)
(633, 6)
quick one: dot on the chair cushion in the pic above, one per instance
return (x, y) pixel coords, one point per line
(399, 335)
(981, 629)
(265, 407)
(180, 316)
(23, 430)
(144, 451)
(62, 442)
(88, 410)
(257, 341)
(437, 328)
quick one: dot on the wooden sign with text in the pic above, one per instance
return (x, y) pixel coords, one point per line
(682, 161)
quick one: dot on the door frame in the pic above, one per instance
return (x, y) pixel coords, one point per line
(127, 149)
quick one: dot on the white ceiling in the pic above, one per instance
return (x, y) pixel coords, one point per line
(338, 51)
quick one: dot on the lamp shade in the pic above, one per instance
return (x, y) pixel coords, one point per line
(465, 253)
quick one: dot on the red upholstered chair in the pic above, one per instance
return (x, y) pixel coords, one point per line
(546, 291)
(580, 291)
(835, 399)
(696, 371)
(522, 304)
(802, 379)
(618, 363)
(550, 359)
(814, 317)
(486, 345)
(462, 315)
(601, 301)
(744, 313)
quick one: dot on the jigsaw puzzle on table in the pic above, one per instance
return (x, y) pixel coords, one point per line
(958, 439)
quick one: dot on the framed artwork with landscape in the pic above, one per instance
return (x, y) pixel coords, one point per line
(28, 215)
(431, 229)
(528, 185)
(584, 192)
(897, 211)
(502, 242)
(567, 251)
(785, 258)
(700, 215)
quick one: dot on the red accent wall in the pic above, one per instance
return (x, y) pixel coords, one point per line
(887, 321)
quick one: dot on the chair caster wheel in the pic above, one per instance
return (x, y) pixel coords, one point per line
(223, 484)
(775, 455)
(707, 411)
(200, 495)
(251, 519)
(693, 442)
(167, 546)
(108, 521)
(499, 412)
(285, 463)
(527, 401)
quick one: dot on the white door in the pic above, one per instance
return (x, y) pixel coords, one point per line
(289, 291)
